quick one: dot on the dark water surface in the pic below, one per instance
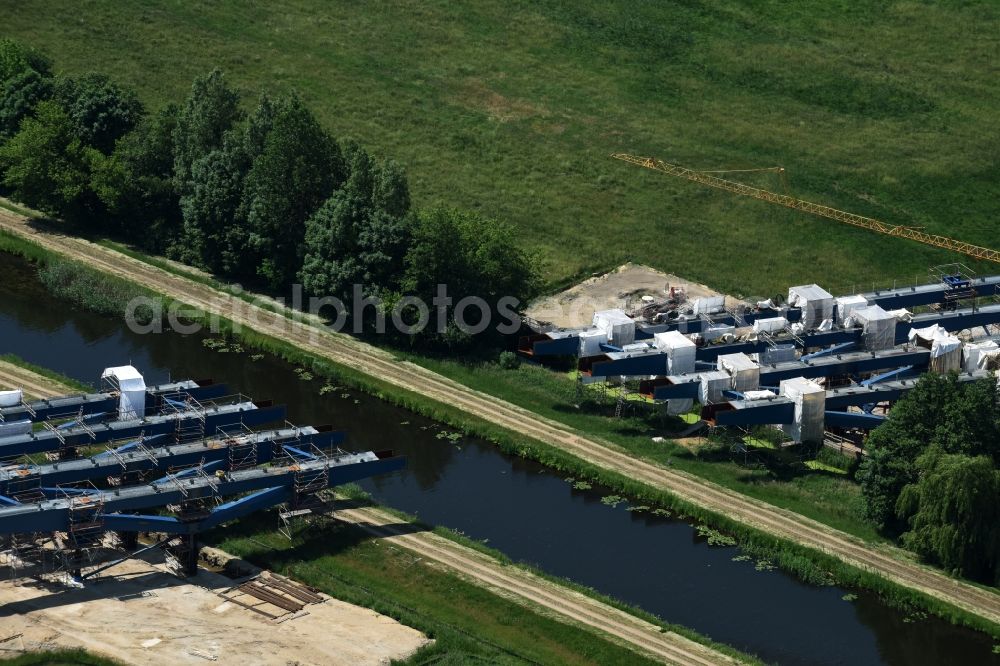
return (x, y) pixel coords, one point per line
(519, 507)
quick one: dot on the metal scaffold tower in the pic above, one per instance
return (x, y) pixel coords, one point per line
(307, 488)
(190, 419)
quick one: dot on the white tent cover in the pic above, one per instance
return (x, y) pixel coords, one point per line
(713, 383)
(810, 407)
(590, 342)
(878, 327)
(935, 338)
(769, 325)
(816, 303)
(744, 372)
(848, 304)
(978, 354)
(680, 350)
(716, 331)
(709, 304)
(11, 398)
(618, 326)
(132, 388)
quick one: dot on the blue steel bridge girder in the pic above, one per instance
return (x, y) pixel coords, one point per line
(55, 515)
(214, 419)
(159, 459)
(94, 403)
(261, 499)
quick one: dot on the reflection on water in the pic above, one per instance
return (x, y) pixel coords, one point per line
(517, 506)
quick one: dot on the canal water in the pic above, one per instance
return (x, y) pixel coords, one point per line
(528, 512)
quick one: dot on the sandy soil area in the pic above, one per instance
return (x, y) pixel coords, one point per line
(146, 615)
(575, 307)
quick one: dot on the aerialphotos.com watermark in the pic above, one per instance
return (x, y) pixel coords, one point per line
(410, 315)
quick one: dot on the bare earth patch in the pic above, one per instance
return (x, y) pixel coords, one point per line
(575, 307)
(146, 615)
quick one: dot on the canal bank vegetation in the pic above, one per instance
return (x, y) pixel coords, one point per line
(808, 564)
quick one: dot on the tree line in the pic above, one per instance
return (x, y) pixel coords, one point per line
(264, 196)
(932, 475)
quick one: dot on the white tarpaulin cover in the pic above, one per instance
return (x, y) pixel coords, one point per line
(758, 395)
(11, 428)
(132, 388)
(946, 349)
(878, 327)
(717, 331)
(769, 325)
(977, 355)
(618, 326)
(680, 350)
(713, 383)
(902, 314)
(709, 304)
(744, 372)
(590, 342)
(11, 398)
(848, 304)
(816, 304)
(810, 408)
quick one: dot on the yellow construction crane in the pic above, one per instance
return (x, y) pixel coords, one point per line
(705, 178)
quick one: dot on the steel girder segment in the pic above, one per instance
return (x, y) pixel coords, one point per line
(161, 459)
(844, 364)
(262, 499)
(214, 418)
(54, 515)
(956, 320)
(95, 403)
(861, 420)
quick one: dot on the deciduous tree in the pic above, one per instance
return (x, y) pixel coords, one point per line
(46, 165)
(954, 514)
(102, 110)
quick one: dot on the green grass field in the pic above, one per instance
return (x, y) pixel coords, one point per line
(513, 107)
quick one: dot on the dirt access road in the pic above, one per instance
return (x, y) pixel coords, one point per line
(33, 385)
(892, 563)
(38, 617)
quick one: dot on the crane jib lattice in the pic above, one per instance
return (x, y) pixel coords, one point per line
(854, 219)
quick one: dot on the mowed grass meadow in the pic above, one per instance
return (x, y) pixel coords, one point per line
(512, 108)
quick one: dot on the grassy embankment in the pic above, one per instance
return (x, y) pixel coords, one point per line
(513, 108)
(810, 565)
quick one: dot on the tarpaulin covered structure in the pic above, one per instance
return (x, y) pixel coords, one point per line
(132, 390)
